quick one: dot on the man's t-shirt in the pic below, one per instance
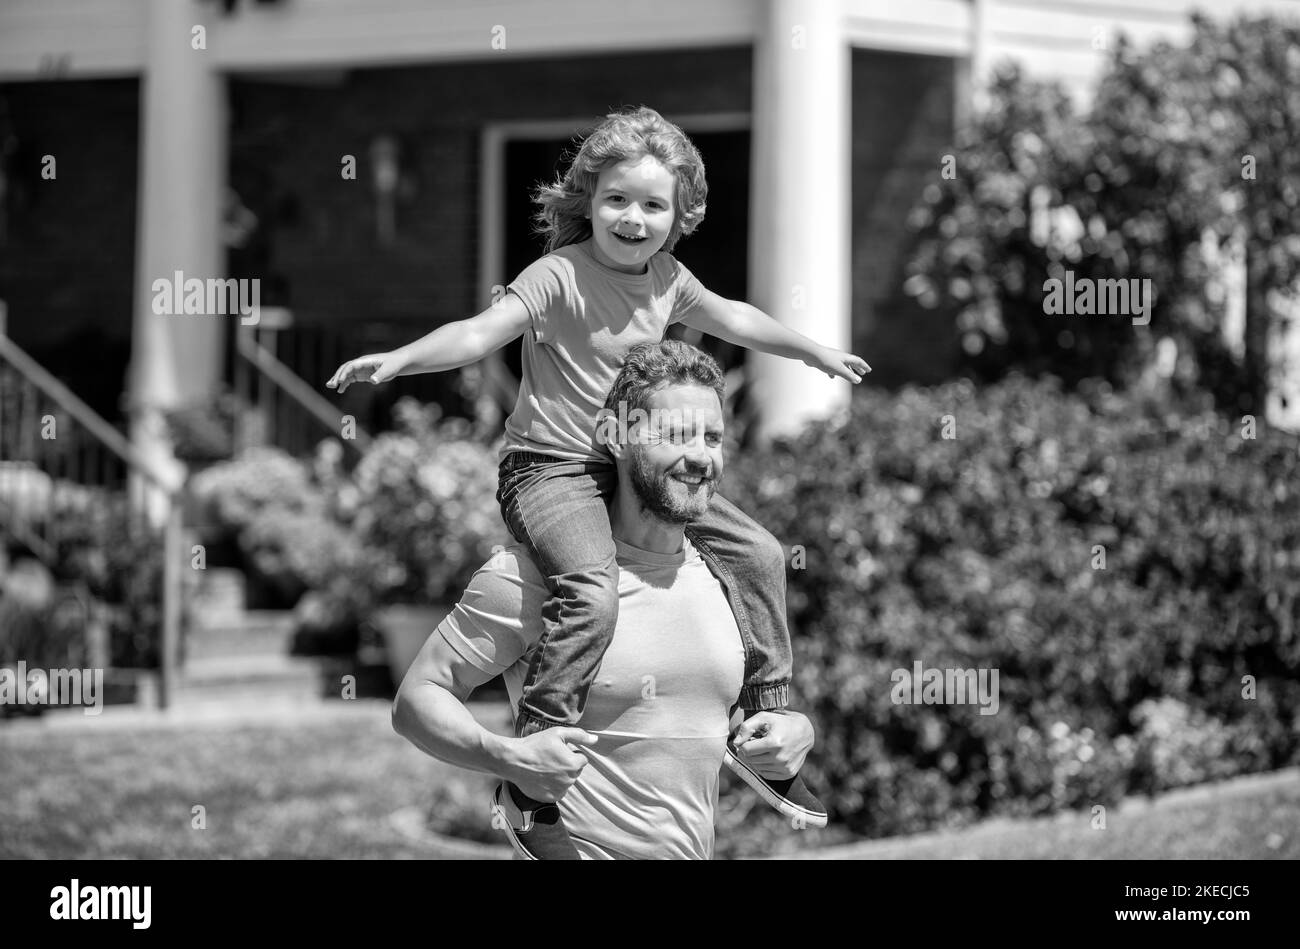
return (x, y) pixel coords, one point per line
(585, 317)
(660, 704)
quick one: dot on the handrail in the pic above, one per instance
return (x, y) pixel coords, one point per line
(112, 439)
(293, 386)
(173, 590)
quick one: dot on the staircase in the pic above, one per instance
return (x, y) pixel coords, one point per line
(58, 459)
(230, 654)
(237, 656)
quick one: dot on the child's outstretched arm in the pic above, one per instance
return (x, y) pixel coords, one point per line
(738, 322)
(448, 347)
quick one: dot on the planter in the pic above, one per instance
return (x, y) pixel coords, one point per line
(405, 627)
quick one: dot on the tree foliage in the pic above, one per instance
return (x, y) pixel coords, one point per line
(1186, 159)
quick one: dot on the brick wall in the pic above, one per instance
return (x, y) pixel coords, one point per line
(67, 250)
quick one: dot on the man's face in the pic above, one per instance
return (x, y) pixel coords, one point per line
(675, 456)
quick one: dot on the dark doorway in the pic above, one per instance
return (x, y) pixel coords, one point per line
(717, 253)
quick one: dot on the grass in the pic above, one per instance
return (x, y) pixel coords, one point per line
(342, 785)
(322, 789)
(1255, 817)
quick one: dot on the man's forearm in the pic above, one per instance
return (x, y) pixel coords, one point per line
(754, 329)
(448, 347)
(439, 724)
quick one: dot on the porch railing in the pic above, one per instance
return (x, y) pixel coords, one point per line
(271, 364)
(57, 457)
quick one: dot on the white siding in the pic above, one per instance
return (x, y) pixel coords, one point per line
(1052, 38)
(1055, 38)
(914, 26)
(91, 38)
(342, 32)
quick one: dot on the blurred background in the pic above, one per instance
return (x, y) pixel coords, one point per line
(1104, 512)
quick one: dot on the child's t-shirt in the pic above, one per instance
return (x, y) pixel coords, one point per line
(586, 316)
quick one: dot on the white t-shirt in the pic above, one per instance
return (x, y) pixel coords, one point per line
(586, 316)
(659, 706)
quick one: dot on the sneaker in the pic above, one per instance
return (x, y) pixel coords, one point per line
(790, 796)
(535, 828)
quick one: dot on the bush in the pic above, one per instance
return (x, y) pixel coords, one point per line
(984, 551)
(426, 494)
(38, 622)
(411, 523)
(282, 521)
(100, 543)
(205, 431)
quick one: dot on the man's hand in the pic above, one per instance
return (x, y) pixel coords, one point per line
(774, 744)
(835, 363)
(378, 368)
(544, 765)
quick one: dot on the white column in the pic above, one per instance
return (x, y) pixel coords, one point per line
(182, 178)
(800, 203)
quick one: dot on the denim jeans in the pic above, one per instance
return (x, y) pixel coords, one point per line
(559, 510)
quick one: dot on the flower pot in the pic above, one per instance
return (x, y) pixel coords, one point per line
(405, 627)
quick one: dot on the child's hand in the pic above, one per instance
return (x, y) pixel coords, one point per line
(374, 369)
(835, 363)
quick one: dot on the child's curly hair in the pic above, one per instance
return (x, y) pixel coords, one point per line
(629, 134)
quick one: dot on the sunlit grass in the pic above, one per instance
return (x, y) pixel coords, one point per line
(331, 787)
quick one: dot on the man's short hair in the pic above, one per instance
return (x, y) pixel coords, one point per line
(650, 367)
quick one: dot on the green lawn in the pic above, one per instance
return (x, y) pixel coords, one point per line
(342, 784)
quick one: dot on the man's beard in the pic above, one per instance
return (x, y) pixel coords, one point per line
(657, 497)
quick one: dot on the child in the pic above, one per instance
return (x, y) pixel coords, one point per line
(635, 186)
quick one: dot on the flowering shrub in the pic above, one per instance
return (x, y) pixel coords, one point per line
(426, 494)
(1103, 554)
(411, 523)
(99, 543)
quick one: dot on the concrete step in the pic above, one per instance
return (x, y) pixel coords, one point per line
(217, 596)
(249, 678)
(251, 633)
(218, 669)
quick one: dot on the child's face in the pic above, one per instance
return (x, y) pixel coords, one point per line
(632, 213)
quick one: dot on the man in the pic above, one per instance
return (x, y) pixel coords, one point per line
(639, 778)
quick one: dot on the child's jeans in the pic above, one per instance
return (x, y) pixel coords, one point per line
(558, 509)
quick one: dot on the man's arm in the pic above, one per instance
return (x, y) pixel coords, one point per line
(468, 648)
(745, 325)
(429, 711)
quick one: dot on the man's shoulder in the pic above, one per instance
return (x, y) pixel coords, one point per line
(512, 571)
(509, 566)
